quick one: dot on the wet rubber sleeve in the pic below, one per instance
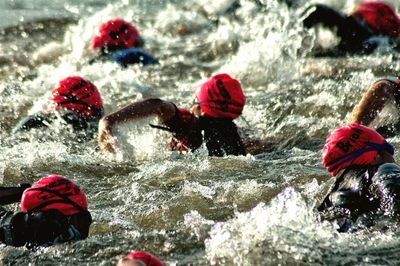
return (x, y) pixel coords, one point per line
(386, 187)
(43, 120)
(325, 15)
(32, 121)
(41, 228)
(351, 191)
(129, 56)
(354, 34)
(13, 231)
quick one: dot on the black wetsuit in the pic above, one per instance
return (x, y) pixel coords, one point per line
(361, 191)
(42, 120)
(355, 36)
(125, 57)
(220, 134)
(39, 228)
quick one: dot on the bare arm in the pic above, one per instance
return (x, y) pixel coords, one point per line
(138, 110)
(373, 101)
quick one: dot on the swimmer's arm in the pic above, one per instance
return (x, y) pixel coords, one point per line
(138, 110)
(325, 15)
(142, 109)
(32, 121)
(373, 101)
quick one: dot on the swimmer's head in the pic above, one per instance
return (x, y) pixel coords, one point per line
(139, 258)
(54, 192)
(380, 16)
(116, 34)
(352, 145)
(78, 95)
(221, 97)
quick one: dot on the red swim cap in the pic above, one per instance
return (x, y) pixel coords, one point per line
(352, 144)
(221, 96)
(78, 95)
(116, 33)
(54, 192)
(147, 258)
(381, 17)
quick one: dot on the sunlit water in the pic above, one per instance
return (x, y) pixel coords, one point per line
(190, 209)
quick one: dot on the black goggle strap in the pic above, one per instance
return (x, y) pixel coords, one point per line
(64, 199)
(218, 105)
(98, 112)
(371, 146)
(176, 133)
(220, 102)
(72, 99)
(161, 128)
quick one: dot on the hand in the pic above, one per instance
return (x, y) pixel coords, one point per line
(106, 139)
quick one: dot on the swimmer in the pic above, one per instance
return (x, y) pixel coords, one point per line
(139, 258)
(359, 30)
(217, 103)
(367, 181)
(54, 210)
(118, 41)
(76, 101)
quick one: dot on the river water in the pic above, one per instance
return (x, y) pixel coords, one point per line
(190, 209)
